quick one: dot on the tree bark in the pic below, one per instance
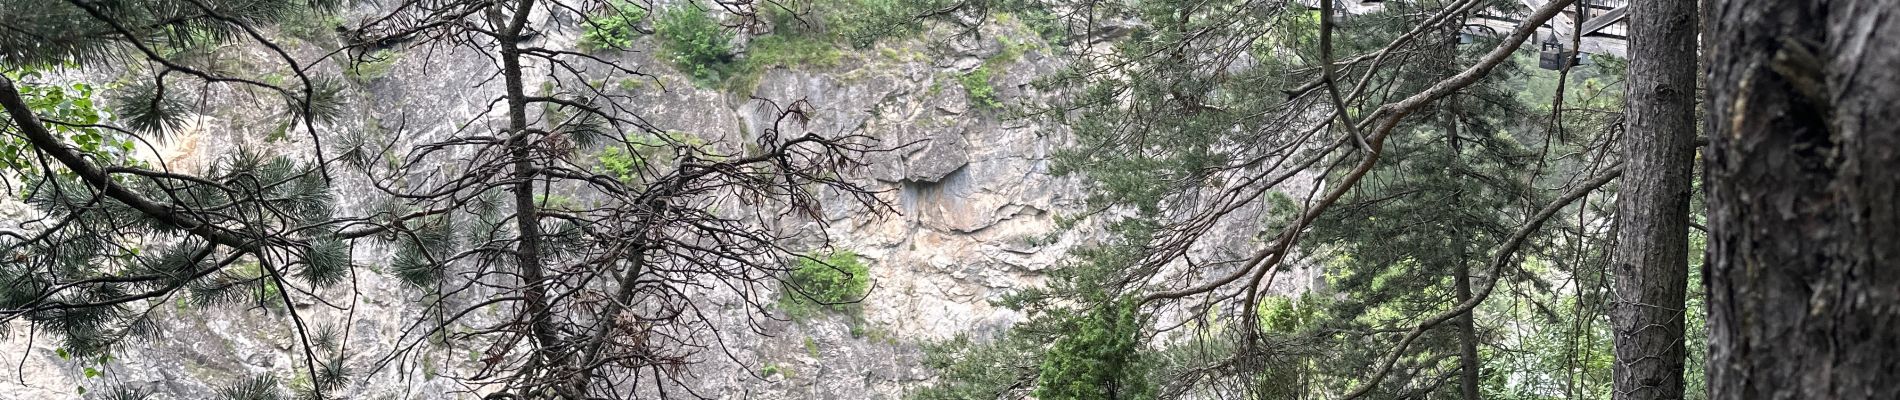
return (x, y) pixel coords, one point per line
(534, 279)
(1469, 364)
(1804, 115)
(1650, 259)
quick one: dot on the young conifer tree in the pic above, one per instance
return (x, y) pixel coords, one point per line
(1202, 113)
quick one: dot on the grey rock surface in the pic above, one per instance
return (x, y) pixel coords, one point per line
(975, 219)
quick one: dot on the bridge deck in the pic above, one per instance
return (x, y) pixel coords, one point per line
(1604, 25)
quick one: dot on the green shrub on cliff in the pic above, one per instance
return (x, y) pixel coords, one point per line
(833, 282)
(698, 44)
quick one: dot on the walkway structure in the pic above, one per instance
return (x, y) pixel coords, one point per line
(1604, 28)
(1603, 25)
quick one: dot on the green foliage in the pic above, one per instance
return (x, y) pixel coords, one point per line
(862, 23)
(1291, 315)
(859, 23)
(372, 67)
(1079, 310)
(698, 44)
(804, 33)
(124, 393)
(832, 282)
(630, 160)
(971, 369)
(774, 369)
(613, 29)
(102, 276)
(69, 107)
(1553, 354)
(1098, 359)
(622, 164)
(1095, 351)
(418, 252)
(1696, 316)
(331, 375)
(1169, 121)
(327, 262)
(816, 33)
(325, 100)
(630, 84)
(1036, 16)
(872, 20)
(51, 33)
(310, 24)
(143, 108)
(778, 50)
(252, 185)
(249, 280)
(1288, 370)
(977, 84)
(1597, 85)
(258, 387)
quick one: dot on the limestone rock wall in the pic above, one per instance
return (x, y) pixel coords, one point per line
(975, 205)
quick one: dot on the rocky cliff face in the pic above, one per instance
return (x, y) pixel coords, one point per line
(975, 216)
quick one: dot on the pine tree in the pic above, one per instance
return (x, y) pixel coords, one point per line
(1431, 166)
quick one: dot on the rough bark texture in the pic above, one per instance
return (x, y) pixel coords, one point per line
(1651, 255)
(526, 212)
(1469, 365)
(1804, 109)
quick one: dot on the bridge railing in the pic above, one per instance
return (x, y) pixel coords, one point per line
(1593, 9)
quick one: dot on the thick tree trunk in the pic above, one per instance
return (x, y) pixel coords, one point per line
(1804, 108)
(1650, 261)
(1469, 364)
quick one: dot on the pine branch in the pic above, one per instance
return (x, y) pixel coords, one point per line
(1505, 253)
(44, 141)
